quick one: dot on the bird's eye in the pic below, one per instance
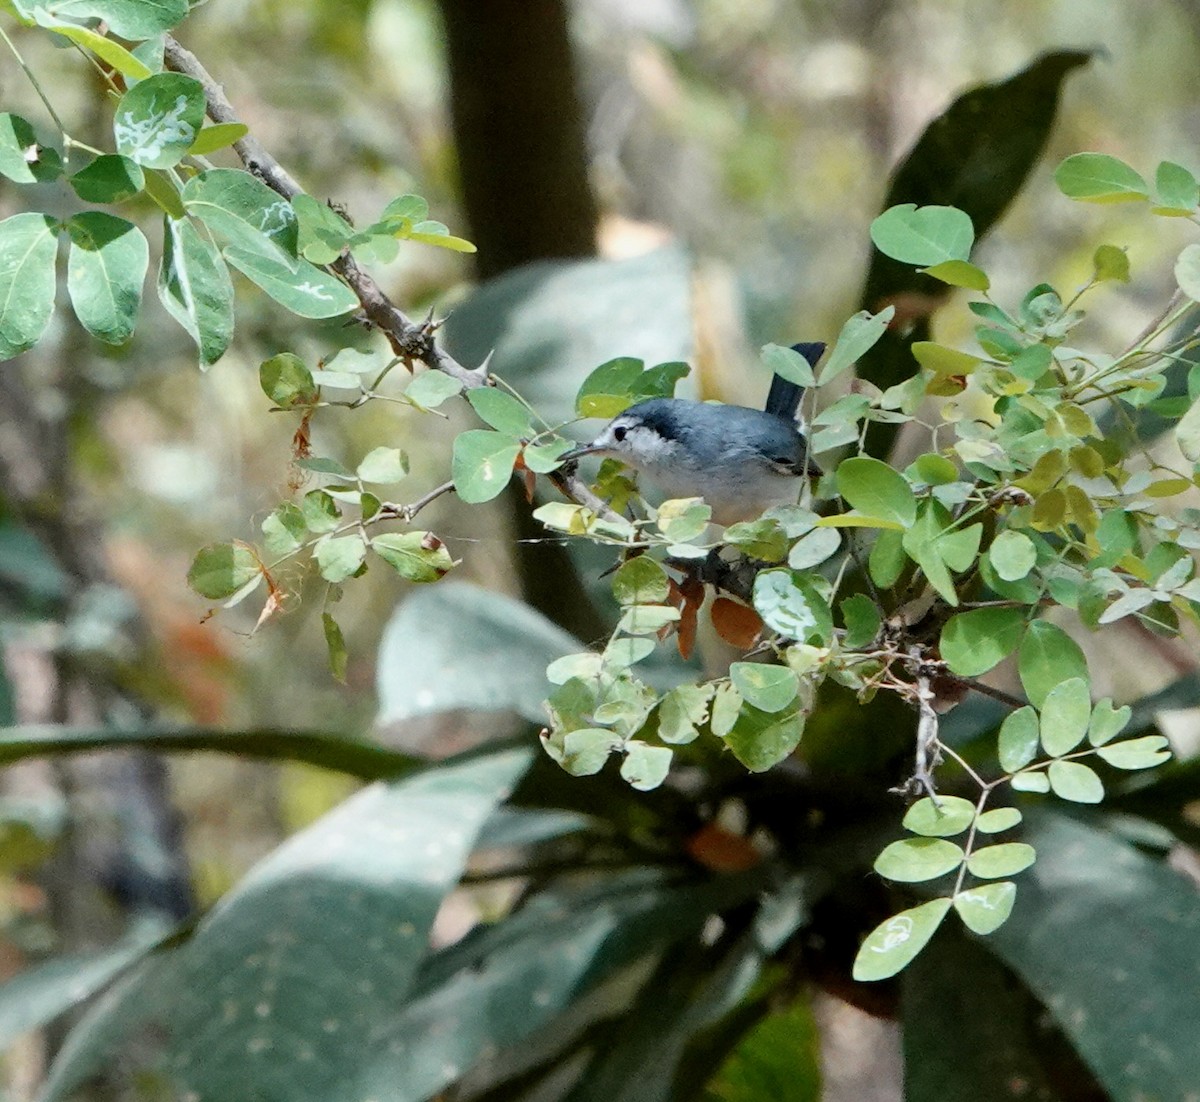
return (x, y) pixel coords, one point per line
(619, 433)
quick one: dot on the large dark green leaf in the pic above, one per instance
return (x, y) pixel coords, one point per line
(359, 759)
(459, 646)
(502, 985)
(975, 156)
(1106, 938)
(969, 1027)
(286, 989)
(41, 993)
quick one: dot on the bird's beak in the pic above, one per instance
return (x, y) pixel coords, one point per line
(579, 452)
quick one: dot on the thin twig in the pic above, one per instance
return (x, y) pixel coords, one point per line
(407, 512)
(409, 340)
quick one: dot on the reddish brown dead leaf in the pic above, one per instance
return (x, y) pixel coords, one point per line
(718, 849)
(528, 475)
(692, 591)
(738, 624)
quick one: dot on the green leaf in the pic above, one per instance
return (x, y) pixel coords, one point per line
(106, 266)
(110, 178)
(647, 619)
(1099, 178)
(221, 569)
(923, 235)
(960, 273)
(28, 244)
(286, 380)
(39, 994)
(218, 136)
(1110, 264)
(999, 819)
(974, 642)
(788, 364)
(1187, 272)
(157, 120)
(376, 869)
(544, 458)
(195, 288)
(1018, 739)
(335, 645)
(862, 620)
(1176, 188)
(762, 539)
(1072, 781)
(683, 519)
(417, 556)
(340, 557)
(896, 941)
(1048, 656)
(640, 581)
(500, 410)
(284, 530)
(295, 284)
(778, 1059)
(130, 19)
(814, 548)
(944, 361)
(431, 388)
(887, 559)
(1032, 781)
(768, 688)
(761, 740)
(383, 465)
(482, 464)
(876, 490)
(948, 816)
(320, 511)
(913, 860)
(790, 604)
(1065, 714)
(23, 159)
(610, 389)
(1006, 859)
(682, 711)
(102, 46)
(858, 336)
(323, 234)
(984, 909)
(586, 751)
(1013, 555)
(645, 767)
(244, 211)
(1136, 753)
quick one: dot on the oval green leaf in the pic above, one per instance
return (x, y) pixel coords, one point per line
(158, 119)
(913, 860)
(986, 908)
(1072, 781)
(1136, 753)
(1099, 178)
(998, 819)
(1065, 715)
(28, 245)
(1006, 859)
(1048, 656)
(790, 604)
(894, 943)
(1018, 740)
(768, 688)
(974, 642)
(221, 569)
(927, 818)
(876, 490)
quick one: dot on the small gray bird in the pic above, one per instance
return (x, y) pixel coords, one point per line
(741, 461)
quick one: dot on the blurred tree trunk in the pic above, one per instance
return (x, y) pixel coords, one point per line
(519, 132)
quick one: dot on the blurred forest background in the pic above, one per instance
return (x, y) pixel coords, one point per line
(750, 139)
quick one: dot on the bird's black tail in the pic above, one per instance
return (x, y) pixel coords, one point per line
(783, 399)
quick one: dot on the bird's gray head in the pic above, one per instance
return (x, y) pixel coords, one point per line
(640, 437)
